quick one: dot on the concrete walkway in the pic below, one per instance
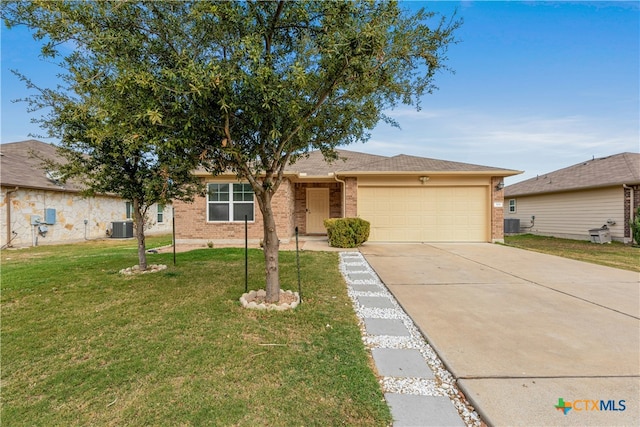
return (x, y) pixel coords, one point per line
(520, 330)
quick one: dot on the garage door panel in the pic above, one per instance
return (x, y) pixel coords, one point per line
(443, 214)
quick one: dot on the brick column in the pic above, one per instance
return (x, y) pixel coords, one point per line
(497, 213)
(628, 206)
(351, 197)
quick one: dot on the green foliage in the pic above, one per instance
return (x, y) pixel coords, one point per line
(635, 227)
(347, 232)
(241, 85)
(155, 88)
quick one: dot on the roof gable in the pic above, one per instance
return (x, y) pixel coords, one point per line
(618, 169)
(21, 166)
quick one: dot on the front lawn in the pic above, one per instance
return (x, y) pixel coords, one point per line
(84, 345)
(613, 254)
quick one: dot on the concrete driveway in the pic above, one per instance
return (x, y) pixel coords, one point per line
(521, 330)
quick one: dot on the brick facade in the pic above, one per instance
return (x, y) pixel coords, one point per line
(497, 213)
(300, 204)
(629, 209)
(351, 199)
(191, 219)
(290, 204)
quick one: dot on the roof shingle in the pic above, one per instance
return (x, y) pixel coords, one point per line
(315, 165)
(21, 166)
(618, 169)
(350, 161)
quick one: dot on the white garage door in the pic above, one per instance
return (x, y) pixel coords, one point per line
(425, 214)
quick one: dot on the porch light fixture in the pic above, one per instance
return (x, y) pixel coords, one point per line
(500, 186)
(424, 179)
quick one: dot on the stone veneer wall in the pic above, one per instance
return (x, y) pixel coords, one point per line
(192, 225)
(72, 210)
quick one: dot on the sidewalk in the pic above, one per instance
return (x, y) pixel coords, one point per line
(417, 387)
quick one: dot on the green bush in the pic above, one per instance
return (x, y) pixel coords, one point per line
(347, 232)
(635, 227)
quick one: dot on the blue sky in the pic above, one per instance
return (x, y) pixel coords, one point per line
(538, 86)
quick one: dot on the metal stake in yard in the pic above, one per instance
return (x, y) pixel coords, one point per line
(173, 224)
(298, 263)
(246, 257)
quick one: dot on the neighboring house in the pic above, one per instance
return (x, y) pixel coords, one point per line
(405, 198)
(569, 202)
(29, 192)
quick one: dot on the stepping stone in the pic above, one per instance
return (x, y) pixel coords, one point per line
(356, 268)
(375, 302)
(392, 327)
(360, 276)
(401, 362)
(366, 288)
(415, 410)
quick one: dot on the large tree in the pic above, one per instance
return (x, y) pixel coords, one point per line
(252, 86)
(115, 114)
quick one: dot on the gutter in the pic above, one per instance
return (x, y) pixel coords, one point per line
(500, 172)
(344, 193)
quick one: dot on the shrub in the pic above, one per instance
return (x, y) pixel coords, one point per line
(347, 232)
(635, 227)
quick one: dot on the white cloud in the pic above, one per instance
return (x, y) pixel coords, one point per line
(534, 143)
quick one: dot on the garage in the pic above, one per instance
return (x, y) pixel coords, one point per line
(426, 214)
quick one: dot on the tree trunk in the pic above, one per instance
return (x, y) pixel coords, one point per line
(138, 223)
(271, 246)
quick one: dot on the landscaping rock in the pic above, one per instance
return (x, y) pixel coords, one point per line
(255, 300)
(153, 268)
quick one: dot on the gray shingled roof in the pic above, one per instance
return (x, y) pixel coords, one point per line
(618, 169)
(21, 166)
(354, 162)
(404, 163)
(315, 165)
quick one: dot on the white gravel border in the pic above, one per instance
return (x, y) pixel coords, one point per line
(444, 383)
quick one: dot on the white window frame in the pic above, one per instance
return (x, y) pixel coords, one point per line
(512, 206)
(160, 215)
(128, 210)
(231, 203)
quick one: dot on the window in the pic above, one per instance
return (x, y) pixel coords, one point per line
(512, 205)
(229, 202)
(160, 213)
(128, 206)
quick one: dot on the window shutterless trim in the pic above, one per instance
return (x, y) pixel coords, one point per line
(232, 190)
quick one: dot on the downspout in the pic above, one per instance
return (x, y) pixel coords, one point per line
(344, 193)
(9, 234)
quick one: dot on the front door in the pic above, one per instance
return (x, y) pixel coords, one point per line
(317, 210)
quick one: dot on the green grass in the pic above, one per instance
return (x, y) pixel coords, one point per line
(614, 254)
(84, 345)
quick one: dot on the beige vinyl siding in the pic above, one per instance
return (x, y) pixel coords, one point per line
(571, 214)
